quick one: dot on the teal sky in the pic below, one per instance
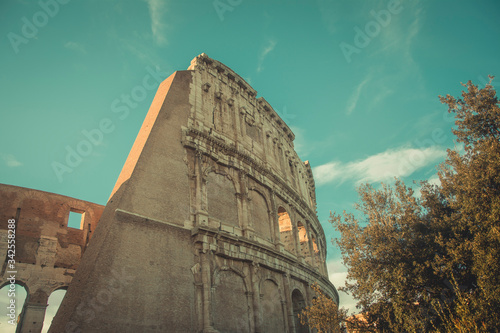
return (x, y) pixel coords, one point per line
(357, 82)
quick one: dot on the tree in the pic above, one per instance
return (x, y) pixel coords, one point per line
(323, 315)
(470, 185)
(404, 255)
(389, 258)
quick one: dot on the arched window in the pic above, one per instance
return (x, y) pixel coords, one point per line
(54, 302)
(286, 230)
(303, 240)
(9, 292)
(316, 253)
(298, 304)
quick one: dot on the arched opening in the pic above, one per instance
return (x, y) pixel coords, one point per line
(13, 297)
(54, 302)
(303, 240)
(298, 304)
(316, 254)
(286, 230)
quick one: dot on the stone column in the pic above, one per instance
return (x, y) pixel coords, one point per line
(207, 290)
(256, 297)
(248, 230)
(288, 303)
(32, 318)
(201, 214)
(273, 217)
(308, 299)
(310, 244)
(298, 247)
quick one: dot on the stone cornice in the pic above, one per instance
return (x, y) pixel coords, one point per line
(202, 62)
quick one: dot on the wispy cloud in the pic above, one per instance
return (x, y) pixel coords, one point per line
(353, 101)
(398, 38)
(158, 27)
(413, 31)
(74, 46)
(329, 14)
(11, 161)
(384, 166)
(265, 51)
(144, 51)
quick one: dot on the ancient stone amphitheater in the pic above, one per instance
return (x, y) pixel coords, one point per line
(211, 226)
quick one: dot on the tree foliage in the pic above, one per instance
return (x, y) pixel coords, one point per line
(405, 257)
(323, 314)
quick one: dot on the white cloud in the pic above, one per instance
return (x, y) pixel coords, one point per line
(11, 161)
(267, 49)
(337, 273)
(158, 27)
(75, 47)
(384, 166)
(353, 101)
(434, 180)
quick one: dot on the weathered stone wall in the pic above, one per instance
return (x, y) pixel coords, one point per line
(47, 251)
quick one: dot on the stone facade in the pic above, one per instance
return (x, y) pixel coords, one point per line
(211, 226)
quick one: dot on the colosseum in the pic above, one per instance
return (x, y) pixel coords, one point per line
(211, 226)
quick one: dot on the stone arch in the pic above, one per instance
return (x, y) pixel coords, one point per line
(221, 199)
(30, 196)
(259, 214)
(303, 240)
(230, 303)
(273, 310)
(298, 303)
(286, 230)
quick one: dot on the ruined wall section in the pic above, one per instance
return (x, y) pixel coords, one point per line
(47, 251)
(242, 137)
(226, 108)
